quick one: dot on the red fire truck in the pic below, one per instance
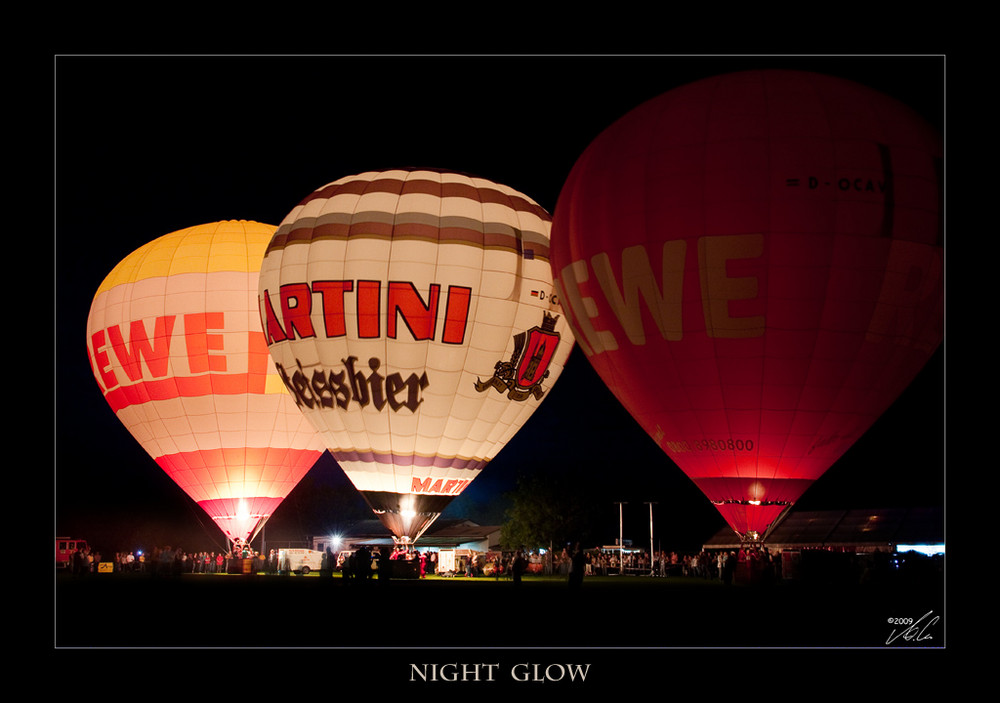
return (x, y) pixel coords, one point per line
(65, 547)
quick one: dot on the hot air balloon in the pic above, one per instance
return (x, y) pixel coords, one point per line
(176, 347)
(753, 265)
(411, 315)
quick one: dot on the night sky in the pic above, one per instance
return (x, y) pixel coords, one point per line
(149, 145)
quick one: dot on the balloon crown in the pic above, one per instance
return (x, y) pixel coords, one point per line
(549, 321)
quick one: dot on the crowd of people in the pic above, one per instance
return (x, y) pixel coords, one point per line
(84, 561)
(571, 560)
(720, 565)
(165, 560)
(749, 564)
(364, 563)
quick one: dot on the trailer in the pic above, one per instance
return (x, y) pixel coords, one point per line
(300, 561)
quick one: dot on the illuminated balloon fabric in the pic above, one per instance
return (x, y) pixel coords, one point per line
(175, 344)
(411, 314)
(753, 264)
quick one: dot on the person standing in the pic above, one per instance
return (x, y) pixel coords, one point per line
(517, 568)
(576, 567)
(384, 565)
(728, 567)
(363, 563)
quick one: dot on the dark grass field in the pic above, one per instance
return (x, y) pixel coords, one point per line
(613, 612)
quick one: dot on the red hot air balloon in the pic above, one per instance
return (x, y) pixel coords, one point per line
(176, 347)
(411, 315)
(753, 263)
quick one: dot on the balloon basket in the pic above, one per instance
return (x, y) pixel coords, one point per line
(405, 568)
(244, 567)
(748, 573)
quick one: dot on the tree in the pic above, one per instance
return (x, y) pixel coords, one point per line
(545, 512)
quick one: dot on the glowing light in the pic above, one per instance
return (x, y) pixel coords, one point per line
(926, 549)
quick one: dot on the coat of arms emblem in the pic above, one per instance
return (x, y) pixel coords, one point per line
(522, 376)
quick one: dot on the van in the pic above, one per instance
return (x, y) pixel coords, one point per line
(300, 560)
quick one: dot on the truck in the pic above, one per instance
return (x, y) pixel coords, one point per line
(300, 561)
(65, 547)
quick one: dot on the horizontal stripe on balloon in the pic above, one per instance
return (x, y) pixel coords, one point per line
(475, 192)
(256, 507)
(411, 227)
(439, 462)
(237, 246)
(189, 387)
(283, 461)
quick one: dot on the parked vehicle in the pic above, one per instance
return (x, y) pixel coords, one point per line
(300, 561)
(65, 547)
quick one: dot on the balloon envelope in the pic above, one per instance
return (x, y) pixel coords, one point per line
(176, 347)
(753, 264)
(411, 314)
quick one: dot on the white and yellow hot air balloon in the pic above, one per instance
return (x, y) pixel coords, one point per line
(412, 316)
(176, 347)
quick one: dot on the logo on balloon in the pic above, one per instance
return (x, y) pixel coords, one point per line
(522, 376)
(327, 389)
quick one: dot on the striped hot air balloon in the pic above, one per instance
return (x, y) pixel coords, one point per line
(411, 314)
(176, 347)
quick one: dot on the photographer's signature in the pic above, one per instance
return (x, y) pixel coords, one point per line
(916, 632)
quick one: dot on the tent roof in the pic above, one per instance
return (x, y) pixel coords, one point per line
(443, 534)
(883, 528)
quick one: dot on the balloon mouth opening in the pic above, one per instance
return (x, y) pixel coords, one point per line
(406, 515)
(240, 519)
(751, 502)
(242, 534)
(407, 526)
(753, 520)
